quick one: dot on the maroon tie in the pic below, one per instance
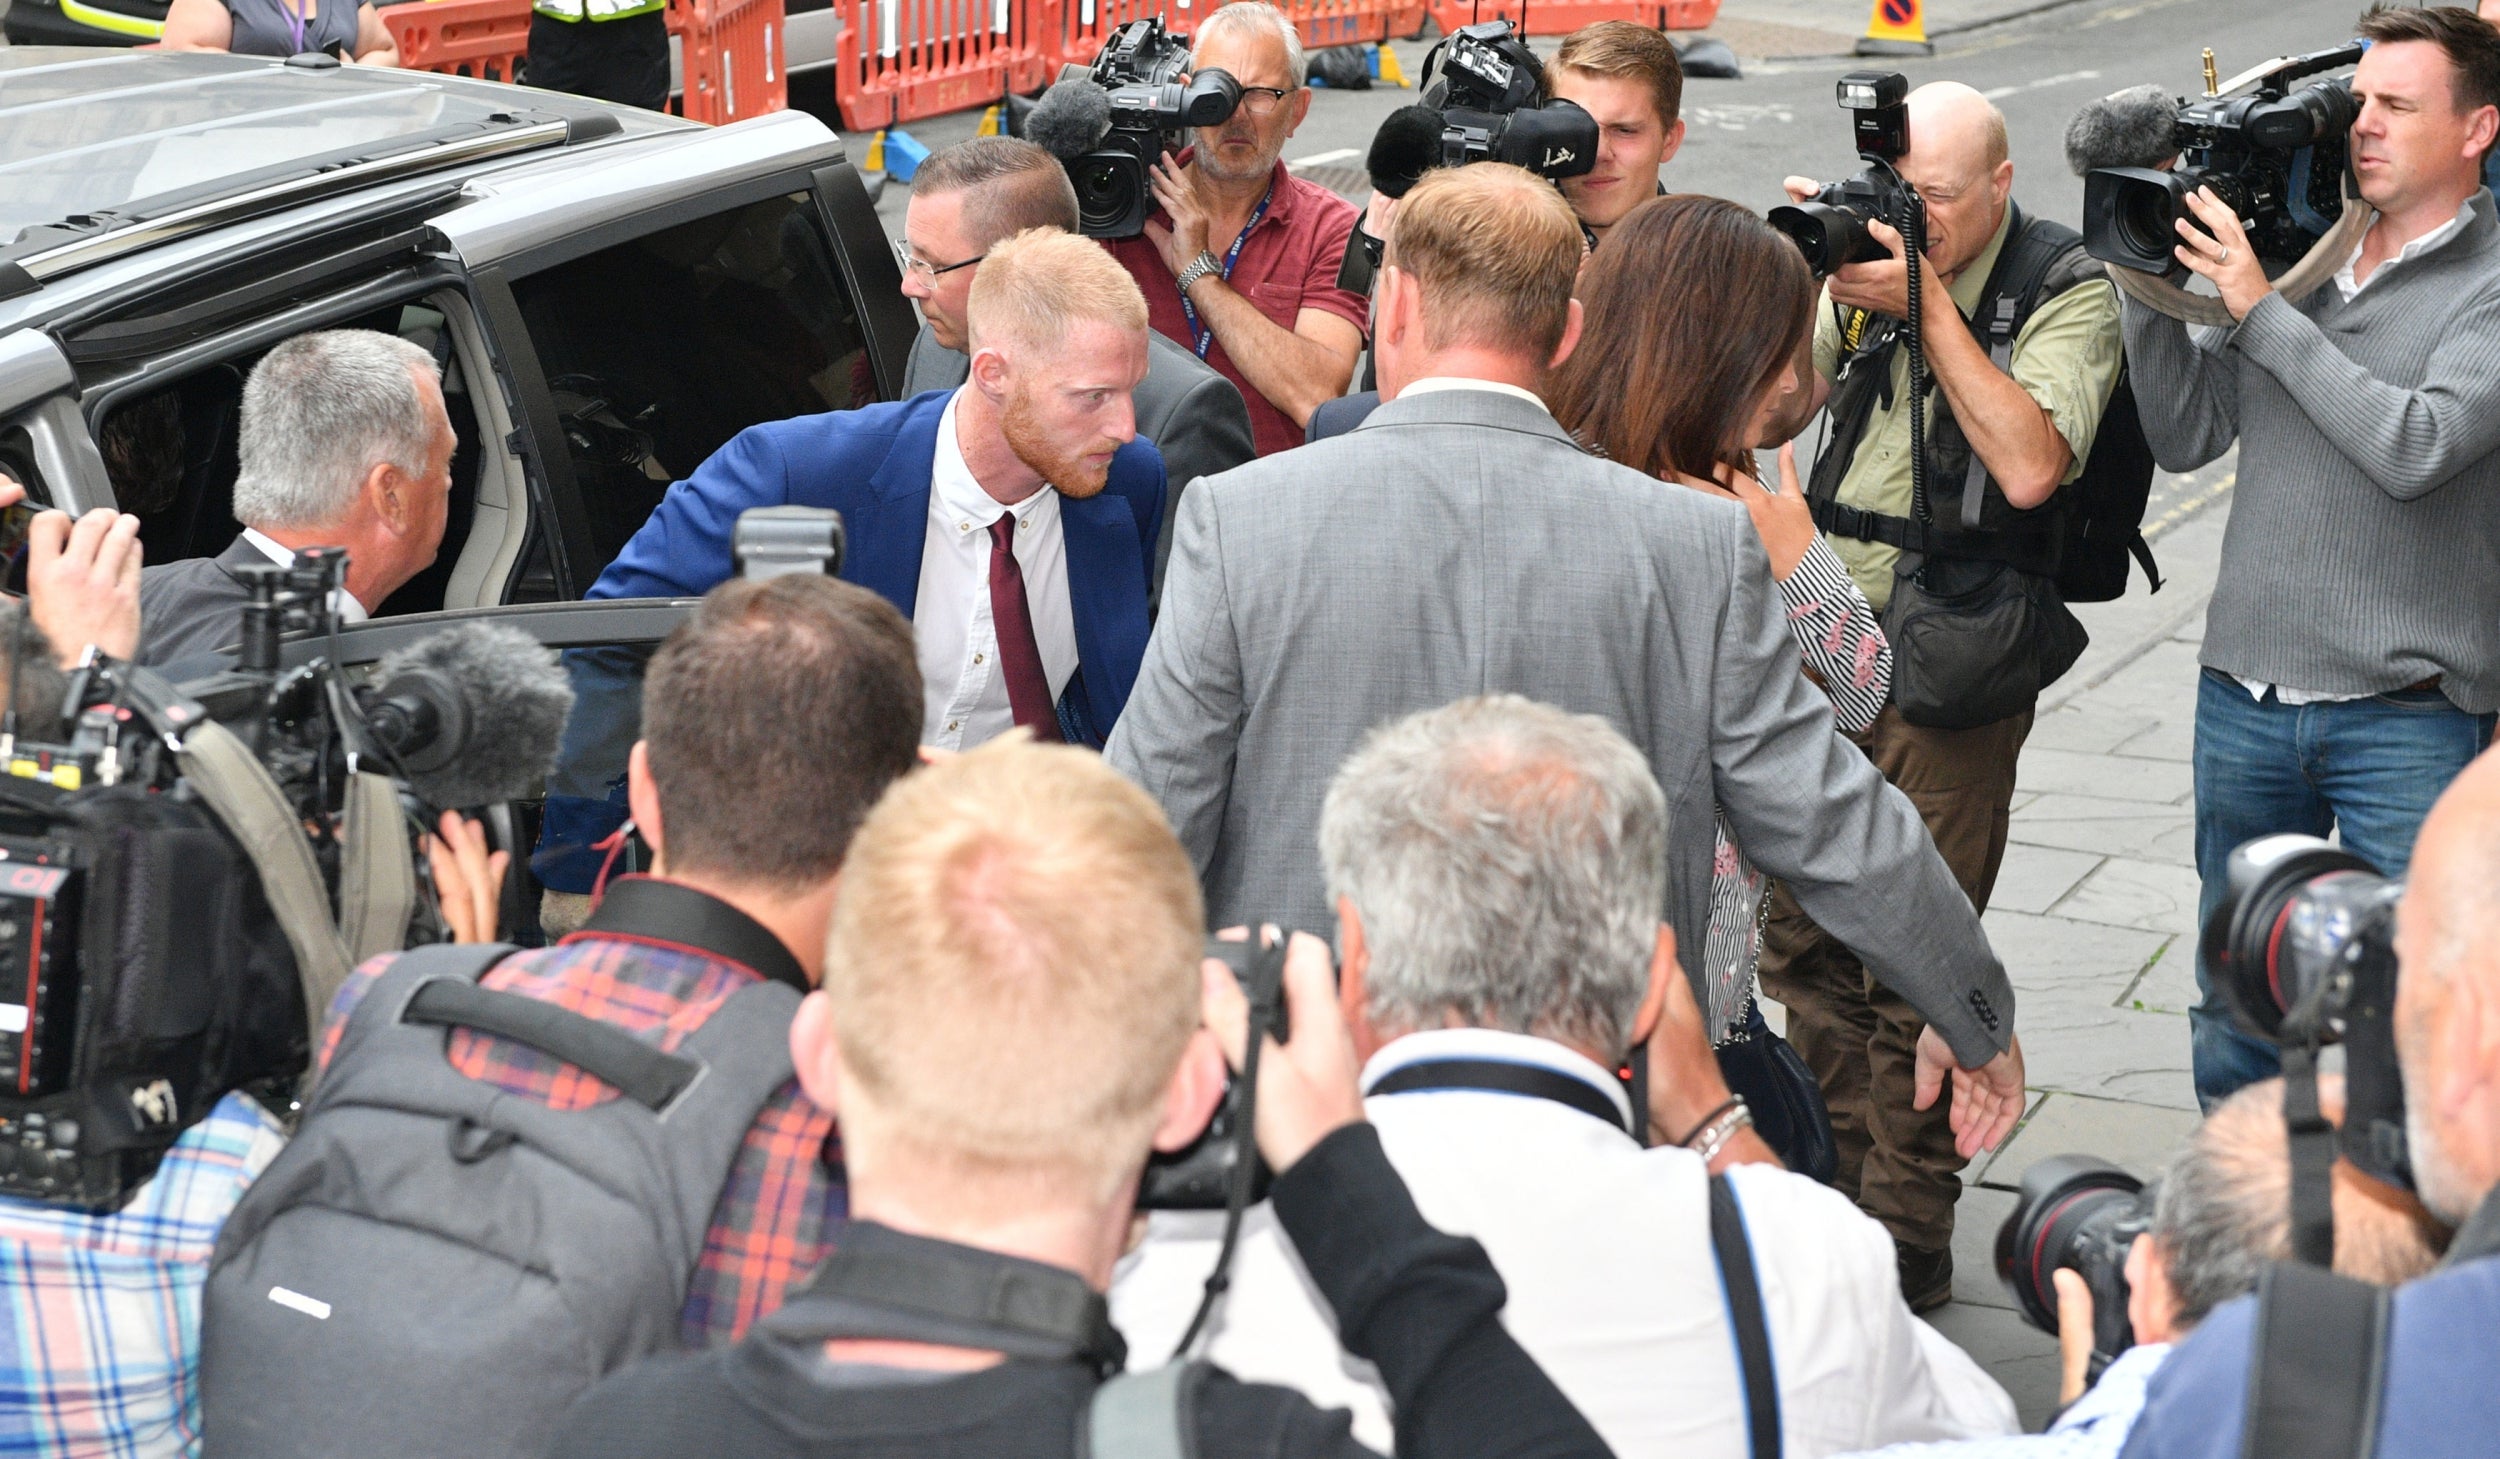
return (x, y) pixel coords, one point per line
(1019, 656)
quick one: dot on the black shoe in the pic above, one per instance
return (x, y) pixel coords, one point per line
(1926, 1277)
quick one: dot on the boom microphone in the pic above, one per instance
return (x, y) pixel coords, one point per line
(1407, 146)
(473, 714)
(1070, 120)
(2130, 128)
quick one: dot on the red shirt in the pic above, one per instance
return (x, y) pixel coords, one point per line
(1288, 264)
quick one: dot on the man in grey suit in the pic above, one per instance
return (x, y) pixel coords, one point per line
(1459, 542)
(964, 201)
(344, 443)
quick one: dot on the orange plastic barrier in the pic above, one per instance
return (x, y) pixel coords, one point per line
(1562, 17)
(481, 38)
(731, 55)
(1338, 22)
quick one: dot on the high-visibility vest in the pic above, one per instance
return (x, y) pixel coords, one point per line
(573, 10)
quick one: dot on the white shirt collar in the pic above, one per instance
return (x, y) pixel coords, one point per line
(1508, 1048)
(350, 611)
(2348, 286)
(960, 494)
(1460, 382)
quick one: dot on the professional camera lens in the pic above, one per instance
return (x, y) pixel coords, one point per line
(1110, 194)
(2298, 923)
(2079, 1212)
(1826, 235)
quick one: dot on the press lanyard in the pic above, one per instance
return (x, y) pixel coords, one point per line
(296, 18)
(1205, 338)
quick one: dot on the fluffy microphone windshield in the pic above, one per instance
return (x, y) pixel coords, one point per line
(1407, 146)
(497, 702)
(1070, 119)
(2130, 128)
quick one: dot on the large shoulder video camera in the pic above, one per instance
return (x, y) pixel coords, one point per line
(1488, 86)
(1142, 68)
(187, 871)
(1830, 227)
(2275, 155)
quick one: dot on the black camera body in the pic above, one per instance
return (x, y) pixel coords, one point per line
(1830, 227)
(2084, 1214)
(1201, 1175)
(1486, 84)
(2303, 951)
(2274, 155)
(1142, 67)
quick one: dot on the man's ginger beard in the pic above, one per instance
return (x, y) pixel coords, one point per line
(1067, 471)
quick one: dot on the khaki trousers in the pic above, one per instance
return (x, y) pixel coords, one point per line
(1858, 1036)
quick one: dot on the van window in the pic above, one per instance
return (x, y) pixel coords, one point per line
(659, 350)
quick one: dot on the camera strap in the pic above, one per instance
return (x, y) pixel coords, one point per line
(2312, 1141)
(2321, 1363)
(1202, 338)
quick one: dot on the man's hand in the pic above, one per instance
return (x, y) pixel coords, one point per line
(1309, 1087)
(1685, 1084)
(1176, 189)
(468, 879)
(2221, 253)
(2074, 1334)
(1884, 286)
(1987, 1101)
(82, 582)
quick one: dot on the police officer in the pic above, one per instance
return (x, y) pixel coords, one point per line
(614, 50)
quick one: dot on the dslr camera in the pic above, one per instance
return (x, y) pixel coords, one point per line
(1487, 86)
(1830, 227)
(2083, 1214)
(1142, 68)
(2275, 155)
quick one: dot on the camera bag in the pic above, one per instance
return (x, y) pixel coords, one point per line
(494, 1256)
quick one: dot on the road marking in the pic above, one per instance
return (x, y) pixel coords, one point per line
(2190, 507)
(1734, 118)
(1999, 93)
(1323, 159)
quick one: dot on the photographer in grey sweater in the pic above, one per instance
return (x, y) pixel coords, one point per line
(2352, 649)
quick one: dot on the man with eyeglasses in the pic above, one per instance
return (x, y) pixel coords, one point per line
(964, 200)
(1240, 262)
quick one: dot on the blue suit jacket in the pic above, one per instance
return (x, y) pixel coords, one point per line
(872, 465)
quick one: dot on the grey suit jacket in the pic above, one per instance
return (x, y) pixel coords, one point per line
(194, 606)
(1193, 415)
(1459, 543)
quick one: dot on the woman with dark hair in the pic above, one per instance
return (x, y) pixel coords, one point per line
(1699, 317)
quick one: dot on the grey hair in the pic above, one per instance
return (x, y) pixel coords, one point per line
(2222, 1213)
(319, 413)
(1255, 16)
(1508, 861)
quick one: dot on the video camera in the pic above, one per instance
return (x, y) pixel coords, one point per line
(1109, 125)
(2275, 155)
(1830, 228)
(1486, 84)
(175, 871)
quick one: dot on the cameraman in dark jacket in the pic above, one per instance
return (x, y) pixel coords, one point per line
(1027, 904)
(2032, 425)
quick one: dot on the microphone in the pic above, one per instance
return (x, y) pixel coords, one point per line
(1070, 120)
(473, 713)
(1407, 146)
(2130, 128)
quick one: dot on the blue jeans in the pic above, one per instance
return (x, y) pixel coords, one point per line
(2366, 768)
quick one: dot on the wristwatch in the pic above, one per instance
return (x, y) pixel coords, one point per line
(1198, 268)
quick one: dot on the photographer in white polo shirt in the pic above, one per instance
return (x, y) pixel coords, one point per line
(1497, 868)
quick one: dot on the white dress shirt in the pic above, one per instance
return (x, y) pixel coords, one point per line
(964, 695)
(1431, 383)
(1605, 1248)
(350, 611)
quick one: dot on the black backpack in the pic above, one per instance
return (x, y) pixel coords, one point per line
(434, 1267)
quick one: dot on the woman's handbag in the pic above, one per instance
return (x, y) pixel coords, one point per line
(1975, 642)
(1787, 1105)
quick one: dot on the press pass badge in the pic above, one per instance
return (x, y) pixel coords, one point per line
(770, 541)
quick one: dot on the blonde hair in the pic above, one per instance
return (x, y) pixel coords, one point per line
(1013, 976)
(1034, 286)
(1495, 250)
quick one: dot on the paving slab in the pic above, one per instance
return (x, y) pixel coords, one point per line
(2108, 777)
(1975, 1221)
(2086, 727)
(2169, 985)
(2125, 892)
(2015, 1353)
(2033, 878)
(2134, 1135)
(2078, 1044)
(2080, 961)
(2138, 829)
